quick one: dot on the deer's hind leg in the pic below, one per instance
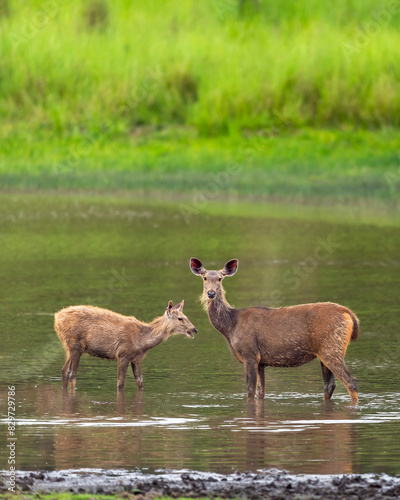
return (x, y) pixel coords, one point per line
(329, 381)
(65, 371)
(73, 367)
(337, 366)
(137, 373)
(260, 382)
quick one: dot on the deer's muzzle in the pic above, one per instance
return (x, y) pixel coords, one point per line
(190, 333)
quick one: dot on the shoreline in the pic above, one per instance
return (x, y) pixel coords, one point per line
(272, 483)
(369, 211)
(304, 163)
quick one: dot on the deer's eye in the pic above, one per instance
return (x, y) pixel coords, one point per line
(180, 319)
(205, 279)
(219, 279)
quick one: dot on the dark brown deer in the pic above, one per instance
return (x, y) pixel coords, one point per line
(282, 337)
(109, 335)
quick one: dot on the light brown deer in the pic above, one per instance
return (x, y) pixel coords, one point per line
(109, 335)
(282, 337)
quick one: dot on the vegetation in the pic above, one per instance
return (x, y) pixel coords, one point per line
(93, 91)
(72, 65)
(326, 165)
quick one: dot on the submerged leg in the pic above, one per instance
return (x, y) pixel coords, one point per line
(122, 367)
(337, 366)
(65, 372)
(329, 381)
(73, 368)
(251, 368)
(260, 382)
(137, 373)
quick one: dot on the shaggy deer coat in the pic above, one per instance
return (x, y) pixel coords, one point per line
(109, 335)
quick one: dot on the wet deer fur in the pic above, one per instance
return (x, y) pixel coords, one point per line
(109, 335)
(280, 337)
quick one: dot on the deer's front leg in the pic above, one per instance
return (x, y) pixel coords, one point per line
(260, 382)
(251, 368)
(137, 373)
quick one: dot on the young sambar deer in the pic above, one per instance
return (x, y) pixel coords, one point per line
(280, 337)
(109, 335)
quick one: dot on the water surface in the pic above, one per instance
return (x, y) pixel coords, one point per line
(132, 257)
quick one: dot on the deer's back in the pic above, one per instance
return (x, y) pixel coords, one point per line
(291, 336)
(96, 331)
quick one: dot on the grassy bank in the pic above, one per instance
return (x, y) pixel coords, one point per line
(294, 100)
(212, 65)
(319, 165)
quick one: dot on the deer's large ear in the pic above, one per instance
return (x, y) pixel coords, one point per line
(169, 308)
(179, 306)
(196, 267)
(230, 267)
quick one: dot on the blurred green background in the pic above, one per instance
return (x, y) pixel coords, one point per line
(303, 96)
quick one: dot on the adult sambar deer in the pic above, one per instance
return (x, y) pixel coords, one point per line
(109, 335)
(283, 337)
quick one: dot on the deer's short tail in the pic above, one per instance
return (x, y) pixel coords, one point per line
(356, 326)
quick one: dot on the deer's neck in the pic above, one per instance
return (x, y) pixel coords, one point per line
(222, 315)
(155, 332)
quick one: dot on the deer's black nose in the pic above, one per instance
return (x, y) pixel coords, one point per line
(195, 330)
(211, 295)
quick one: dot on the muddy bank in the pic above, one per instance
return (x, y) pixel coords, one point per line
(272, 483)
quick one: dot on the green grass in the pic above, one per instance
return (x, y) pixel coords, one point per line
(323, 165)
(77, 65)
(299, 99)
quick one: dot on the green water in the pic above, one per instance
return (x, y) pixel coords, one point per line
(132, 257)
